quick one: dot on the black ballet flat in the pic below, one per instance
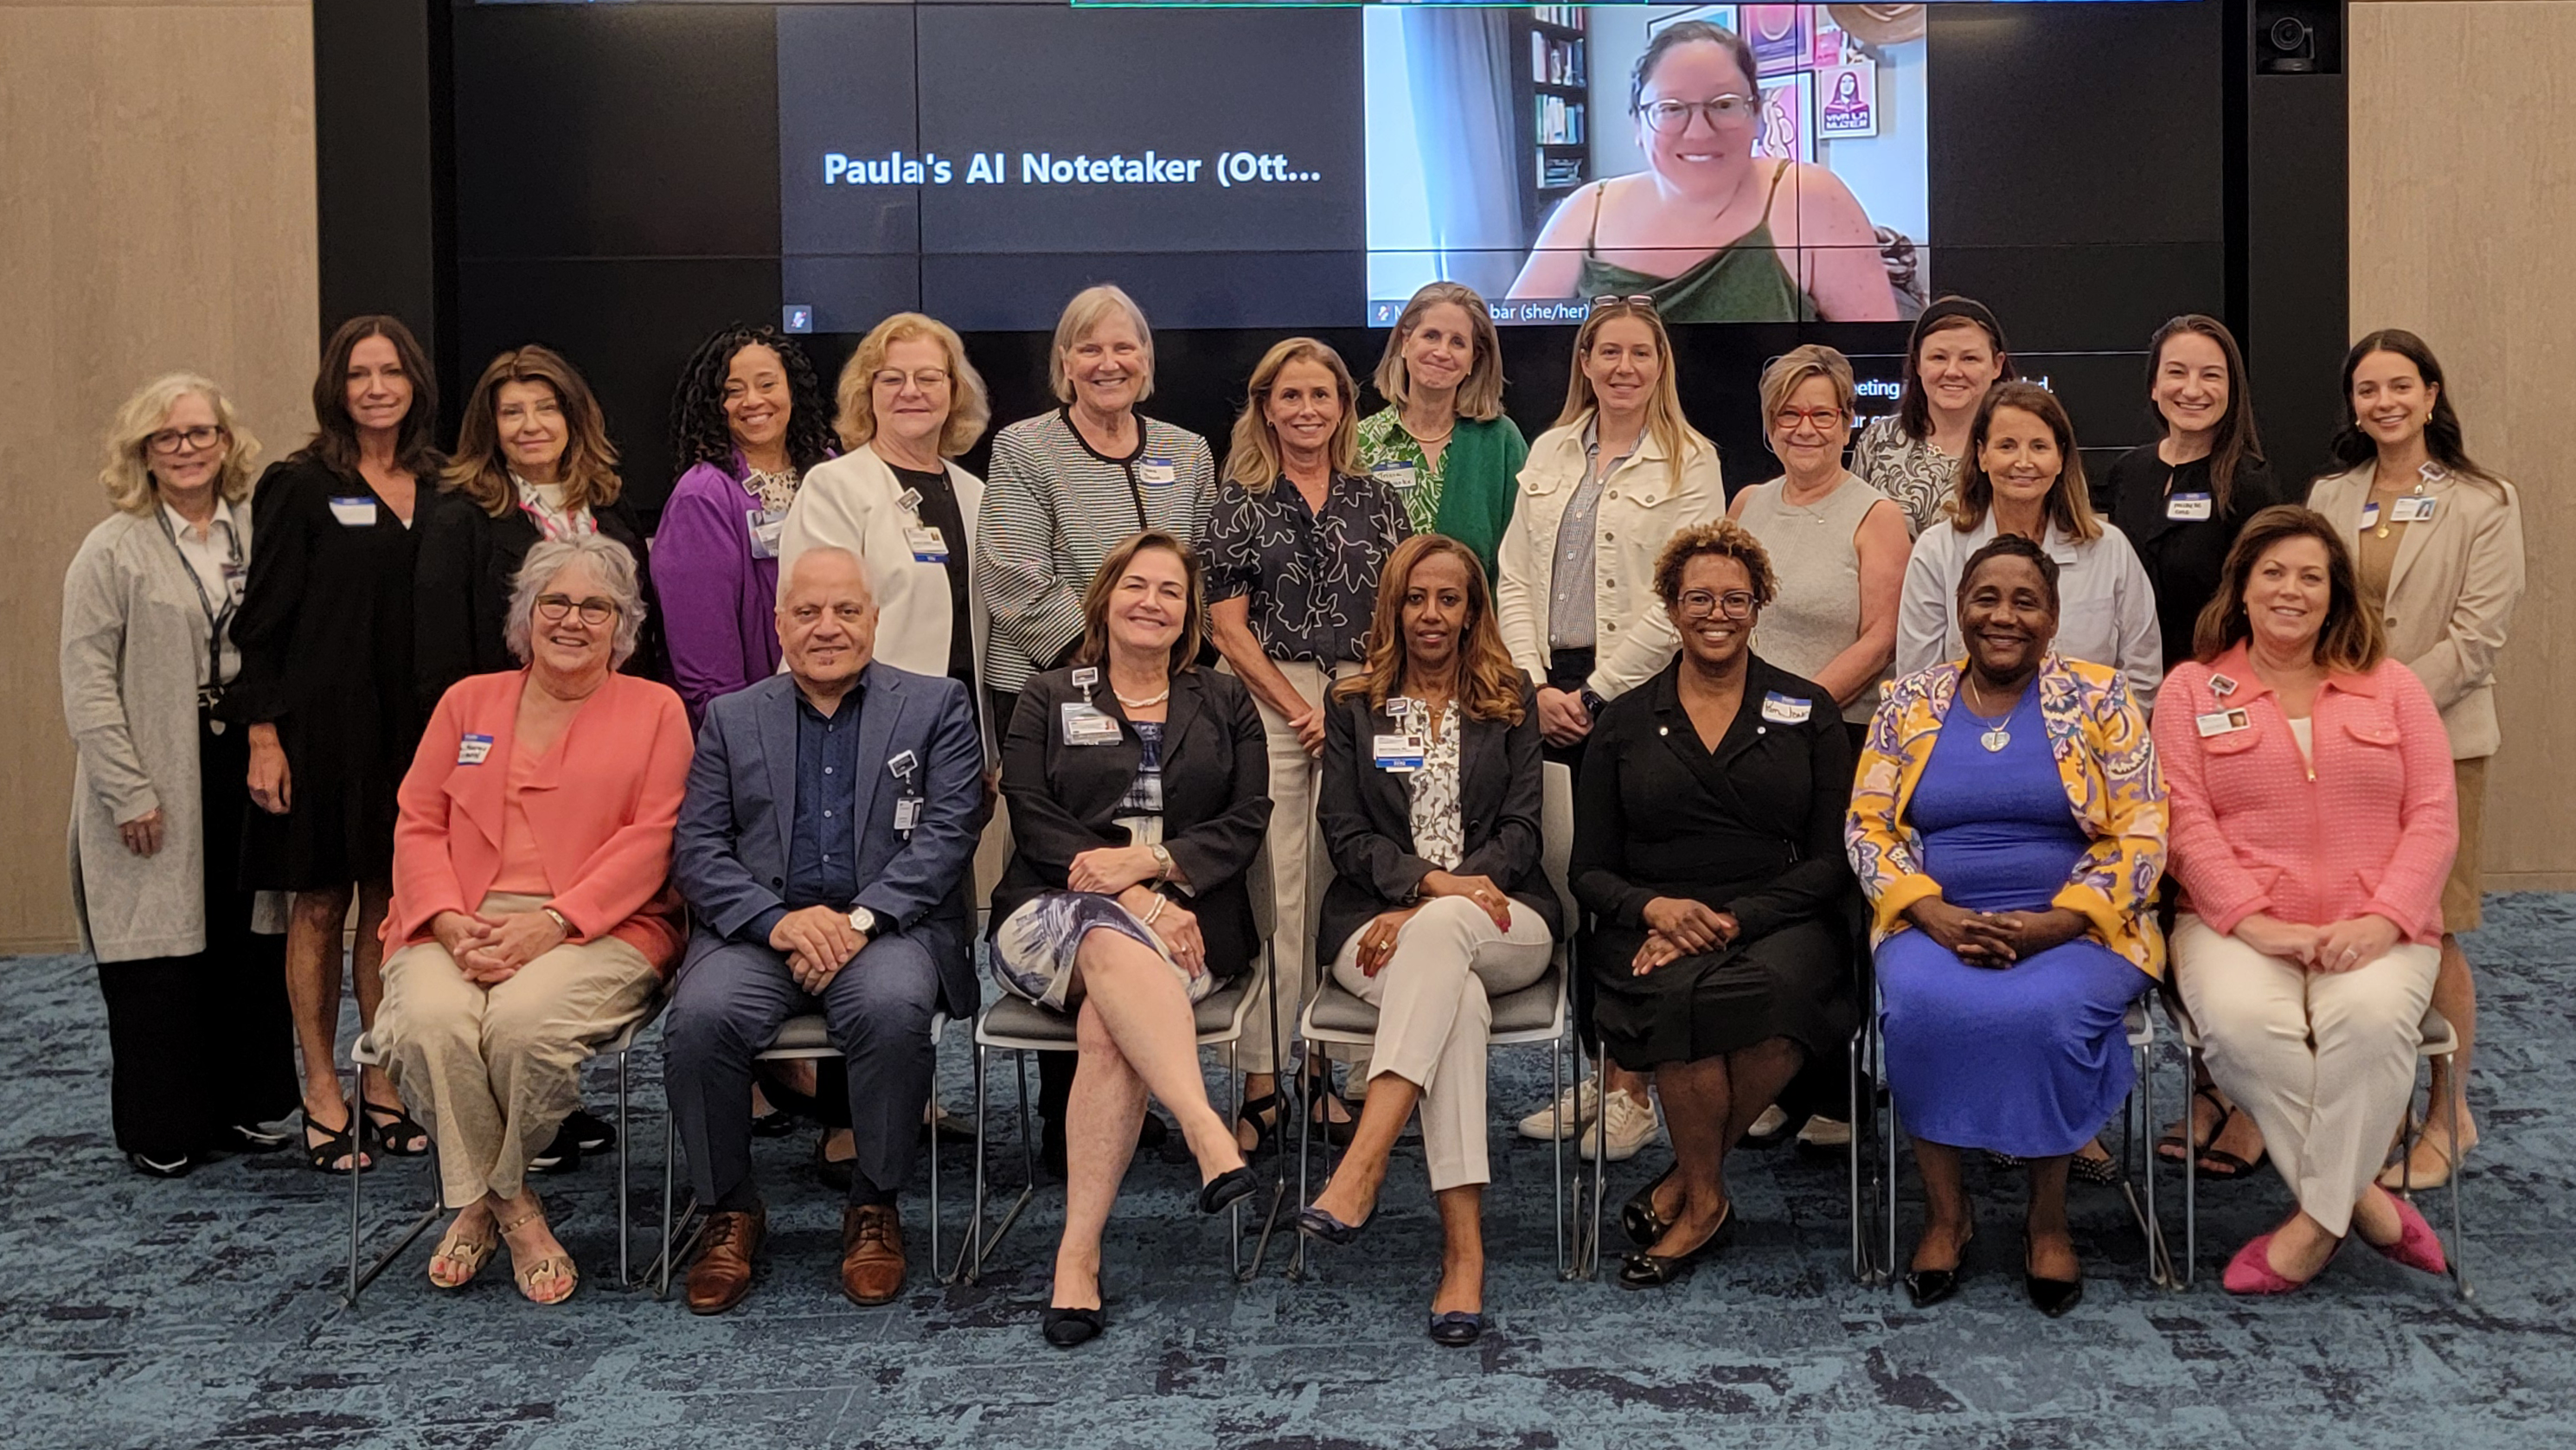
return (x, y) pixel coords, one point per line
(2052, 1297)
(1638, 1216)
(1226, 1189)
(1457, 1328)
(1066, 1328)
(1927, 1287)
(1315, 1223)
(150, 1167)
(1654, 1271)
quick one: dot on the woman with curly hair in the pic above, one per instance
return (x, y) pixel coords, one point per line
(748, 422)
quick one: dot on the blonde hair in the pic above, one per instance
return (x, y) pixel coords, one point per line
(1480, 393)
(1664, 421)
(481, 471)
(1252, 459)
(127, 475)
(1790, 370)
(970, 407)
(1089, 308)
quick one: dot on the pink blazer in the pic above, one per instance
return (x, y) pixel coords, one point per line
(2371, 831)
(602, 812)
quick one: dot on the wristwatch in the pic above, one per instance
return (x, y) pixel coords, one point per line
(863, 921)
(1162, 862)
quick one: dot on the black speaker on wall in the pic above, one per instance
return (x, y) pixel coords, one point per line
(2289, 253)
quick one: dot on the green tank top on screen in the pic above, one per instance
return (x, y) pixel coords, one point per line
(1742, 281)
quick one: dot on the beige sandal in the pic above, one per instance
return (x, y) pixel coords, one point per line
(557, 1267)
(463, 1257)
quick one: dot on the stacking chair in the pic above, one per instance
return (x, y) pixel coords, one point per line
(1535, 1015)
(363, 1054)
(2440, 1043)
(1018, 1026)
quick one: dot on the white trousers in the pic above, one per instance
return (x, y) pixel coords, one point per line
(2325, 1061)
(1299, 870)
(1434, 1001)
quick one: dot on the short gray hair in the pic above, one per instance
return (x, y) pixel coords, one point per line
(608, 559)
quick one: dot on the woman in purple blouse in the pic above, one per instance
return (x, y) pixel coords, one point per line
(747, 423)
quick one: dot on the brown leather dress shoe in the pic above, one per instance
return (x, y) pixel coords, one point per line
(871, 1253)
(722, 1275)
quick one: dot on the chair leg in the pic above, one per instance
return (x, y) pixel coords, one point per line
(2160, 1271)
(1279, 1175)
(1028, 1164)
(970, 1253)
(2191, 1063)
(1305, 1189)
(670, 1152)
(2459, 1238)
(625, 1269)
(935, 1256)
(1565, 1265)
(357, 1082)
(1600, 1152)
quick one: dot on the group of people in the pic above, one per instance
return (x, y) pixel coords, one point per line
(1913, 705)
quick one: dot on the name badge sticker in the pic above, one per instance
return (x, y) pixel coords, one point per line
(1780, 709)
(354, 513)
(1084, 724)
(473, 749)
(907, 812)
(767, 525)
(928, 545)
(1400, 754)
(2222, 722)
(1401, 476)
(2189, 507)
(1160, 472)
(2369, 515)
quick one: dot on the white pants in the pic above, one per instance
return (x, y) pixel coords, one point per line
(1434, 1001)
(1299, 870)
(2325, 1061)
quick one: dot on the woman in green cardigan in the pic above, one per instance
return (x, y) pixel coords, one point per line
(1443, 443)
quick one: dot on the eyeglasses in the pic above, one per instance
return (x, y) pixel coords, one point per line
(183, 440)
(1700, 604)
(1634, 299)
(927, 380)
(1823, 420)
(1672, 118)
(553, 607)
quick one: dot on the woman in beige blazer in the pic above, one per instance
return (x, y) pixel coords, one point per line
(2439, 543)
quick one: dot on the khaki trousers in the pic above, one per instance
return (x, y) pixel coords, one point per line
(1299, 870)
(1434, 1001)
(2325, 1061)
(492, 1072)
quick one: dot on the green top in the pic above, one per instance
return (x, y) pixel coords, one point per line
(1742, 281)
(1468, 494)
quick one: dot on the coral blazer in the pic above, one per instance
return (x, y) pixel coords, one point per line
(601, 808)
(2370, 830)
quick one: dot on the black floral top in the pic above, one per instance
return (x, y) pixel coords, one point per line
(1312, 578)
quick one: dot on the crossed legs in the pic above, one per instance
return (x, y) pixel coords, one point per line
(1708, 1105)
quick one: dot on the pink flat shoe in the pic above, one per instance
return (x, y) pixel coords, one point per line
(2251, 1271)
(2417, 1246)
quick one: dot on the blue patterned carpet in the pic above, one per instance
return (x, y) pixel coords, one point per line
(142, 1313)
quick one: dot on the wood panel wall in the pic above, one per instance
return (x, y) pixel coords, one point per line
(158, 158)
(2463, 200)
(158, 165)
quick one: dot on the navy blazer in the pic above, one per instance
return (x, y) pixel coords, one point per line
(1366, 817)
(729, 852)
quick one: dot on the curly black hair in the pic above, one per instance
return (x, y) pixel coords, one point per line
(698, 431)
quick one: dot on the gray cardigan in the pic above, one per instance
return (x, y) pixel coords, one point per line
(133, 633)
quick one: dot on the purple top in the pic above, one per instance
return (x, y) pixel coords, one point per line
(719, 604)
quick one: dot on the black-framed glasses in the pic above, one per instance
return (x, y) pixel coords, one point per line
(1672, 118)
(594, 611)
(1700, 604)
(183, 440)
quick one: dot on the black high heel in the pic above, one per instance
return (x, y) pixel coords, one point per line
(1319, 1099)
(2052, 1297)
(1261, 1114)
(1927, 1287)
(1065, 1328)
(1638, 1214)
(1654, 1271)
(336, 1145)
(1224, 1190)
(1457, 1328)
(1315, 1223)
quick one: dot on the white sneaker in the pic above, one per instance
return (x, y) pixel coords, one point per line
(1826, 1133)
(1631, 1126)
(1769, 1124)
(1565, 1117)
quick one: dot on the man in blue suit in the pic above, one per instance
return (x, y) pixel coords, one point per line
(831, 821)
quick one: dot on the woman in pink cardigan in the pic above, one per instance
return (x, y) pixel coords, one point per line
(2313, 825)
(532, 916)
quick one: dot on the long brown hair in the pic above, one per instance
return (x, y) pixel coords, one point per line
(2349, 642)
(1104, 583)
(2442, 436)
(1664, 421)
(481, 471)
(335, 434)
(2067, 504)
(2235, 442)
(1252, 459)
(1489, 684)
(1913, 409)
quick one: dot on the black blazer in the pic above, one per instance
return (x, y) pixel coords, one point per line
(1366, 817)
(461, 591)
(2183, 557)
(1216, 799)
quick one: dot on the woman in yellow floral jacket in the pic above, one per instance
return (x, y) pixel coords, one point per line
(2008, 825)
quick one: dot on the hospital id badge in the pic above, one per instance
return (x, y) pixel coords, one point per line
(907, 812)
(928, 545)
(766, 527)
(1400, 754)
(1085, 724)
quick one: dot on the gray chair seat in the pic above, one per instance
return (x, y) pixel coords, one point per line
(1337, 1011)
(1017, 1022)
(806, 1033)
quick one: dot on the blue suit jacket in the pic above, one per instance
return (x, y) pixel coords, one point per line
(729, 853)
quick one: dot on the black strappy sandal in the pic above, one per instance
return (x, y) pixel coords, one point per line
(391, 1131)
(1261, 1114)
(336, 1144)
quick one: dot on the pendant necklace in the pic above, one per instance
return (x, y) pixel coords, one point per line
(1997, 735)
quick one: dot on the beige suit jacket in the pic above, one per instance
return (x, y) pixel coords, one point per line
(2451, 592)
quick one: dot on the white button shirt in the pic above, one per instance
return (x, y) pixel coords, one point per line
(218, 556)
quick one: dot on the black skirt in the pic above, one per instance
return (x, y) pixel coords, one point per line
(1794, 983)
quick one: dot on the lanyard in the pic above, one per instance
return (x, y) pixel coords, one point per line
(216, 619)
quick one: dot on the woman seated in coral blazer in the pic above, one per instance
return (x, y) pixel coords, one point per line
(2313, 825)
(532, 915)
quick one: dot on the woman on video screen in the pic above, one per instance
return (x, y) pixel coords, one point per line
(1711, 231)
